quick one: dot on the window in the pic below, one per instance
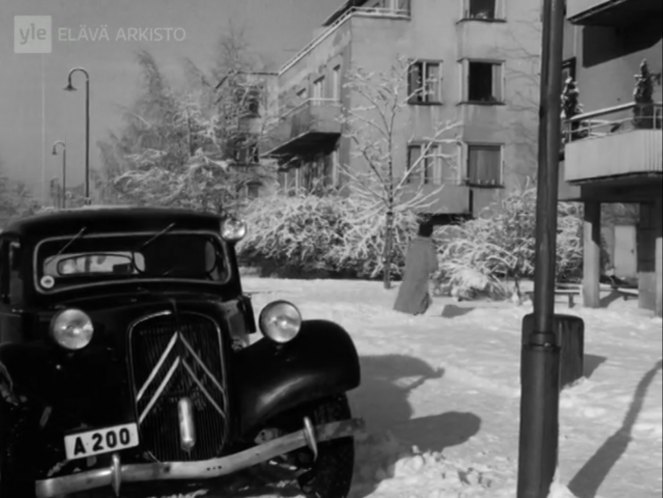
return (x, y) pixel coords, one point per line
(302, 94)
(336, 168)
(436, 167)
(484, 165)
(336, 83)
(483, 9)
(319, 88)
(425, 82)
(400, 6)
(247, 98)
(15, 274)
(99, 260)
(484, 82)
(244, 154)
(4, 269)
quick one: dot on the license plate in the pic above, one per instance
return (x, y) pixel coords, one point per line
(85, 444)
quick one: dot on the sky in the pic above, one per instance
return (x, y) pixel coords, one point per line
(36, 54)
(440, 394)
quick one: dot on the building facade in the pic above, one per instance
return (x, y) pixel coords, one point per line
(613, 152)
(480, 61)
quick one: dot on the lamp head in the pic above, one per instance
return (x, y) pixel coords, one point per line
(70, 87)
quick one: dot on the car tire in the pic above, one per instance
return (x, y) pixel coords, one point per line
(331, 474)
(15, 480)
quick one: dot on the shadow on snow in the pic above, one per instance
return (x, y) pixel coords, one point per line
(587, 481)
(382, 400)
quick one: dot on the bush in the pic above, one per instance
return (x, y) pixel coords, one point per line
(362, 251)
(500, 245)
(309, 235)
(294, 233)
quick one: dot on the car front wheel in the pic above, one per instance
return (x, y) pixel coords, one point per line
(330, 475)
(15, 480)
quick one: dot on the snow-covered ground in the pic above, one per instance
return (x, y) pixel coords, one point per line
(440, 394)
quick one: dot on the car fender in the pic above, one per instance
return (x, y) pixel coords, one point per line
(24, 371)
(321, 361)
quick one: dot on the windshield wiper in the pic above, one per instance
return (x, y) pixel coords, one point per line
(156, 236)
(72, 240)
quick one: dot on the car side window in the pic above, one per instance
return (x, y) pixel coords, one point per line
(4, 272)
(14, 269)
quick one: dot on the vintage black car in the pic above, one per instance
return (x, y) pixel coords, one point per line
(127, 365)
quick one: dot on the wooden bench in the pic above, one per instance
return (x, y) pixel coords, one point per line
(626, 293)
(570, 293)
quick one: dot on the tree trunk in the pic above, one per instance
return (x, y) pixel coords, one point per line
(388, 252)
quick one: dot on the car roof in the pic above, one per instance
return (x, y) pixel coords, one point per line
(110, 219)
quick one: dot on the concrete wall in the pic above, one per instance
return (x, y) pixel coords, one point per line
(436, 32)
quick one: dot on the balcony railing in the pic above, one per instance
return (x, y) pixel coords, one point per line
(618, 119)
(620, 140)
(316, 115)
(303, 127)
(380, 12)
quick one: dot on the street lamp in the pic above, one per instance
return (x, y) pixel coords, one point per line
(70, 87)
(63, 199)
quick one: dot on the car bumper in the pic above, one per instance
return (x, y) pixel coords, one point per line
(118, 473)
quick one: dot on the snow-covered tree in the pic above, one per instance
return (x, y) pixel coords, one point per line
(180, 147)
(374, 123)
(16, 199)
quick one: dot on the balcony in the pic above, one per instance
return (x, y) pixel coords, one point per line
(339, 18)
(307, 128)
(611, 12)
(620, 141)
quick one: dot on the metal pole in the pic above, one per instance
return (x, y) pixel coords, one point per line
(70, 87)
(539, 408)
(87, 139)
(64, 169)
(64, 177)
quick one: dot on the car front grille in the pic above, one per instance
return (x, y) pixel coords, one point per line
(175, 356)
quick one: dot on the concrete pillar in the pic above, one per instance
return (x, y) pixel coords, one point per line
(591, 254)
(658, 256)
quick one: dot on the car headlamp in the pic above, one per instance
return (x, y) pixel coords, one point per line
(72, 329)
(280, 321)
(233, 229)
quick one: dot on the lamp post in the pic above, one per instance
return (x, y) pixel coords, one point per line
(540, 353)
(63, 199)
(70, 87)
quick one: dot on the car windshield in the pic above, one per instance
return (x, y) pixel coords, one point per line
(82, 260)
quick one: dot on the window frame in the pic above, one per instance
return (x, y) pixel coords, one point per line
(318, 88)
(499, 15)
(4, 270)
(434, 161)
(499, 79)
(467, 147)
(302, 95)
(414, 94)
(336, 83)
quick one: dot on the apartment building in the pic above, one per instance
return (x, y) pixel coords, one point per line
(247, 100)
(613, 152)
(480, 61)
